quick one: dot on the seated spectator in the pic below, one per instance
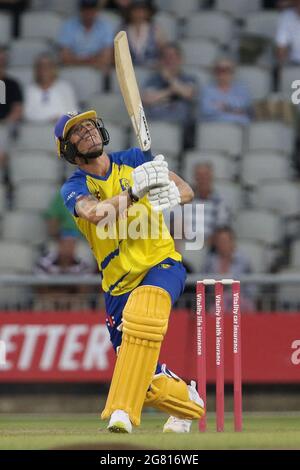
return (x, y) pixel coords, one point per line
(11, 111)
(87, 39)
(225, 100)
(170, 93)
(48, 97)
(144, 37)
(59, 218)
(226, 261)
(287, 37)
(216, 212)
(63, 260)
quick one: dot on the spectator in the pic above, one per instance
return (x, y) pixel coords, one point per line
(87, 39)
(48, 97)
(216, 212)
(287, 37)
(144, 37)
(226, 261)
(11, 112)
(225, 100)
(59, 218)
(169, 94)
(118, 5)
(63, 260)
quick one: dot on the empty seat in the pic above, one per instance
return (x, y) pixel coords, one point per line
(118, 137)
(223, 137)
(257, 79)
(24, 227)
(200, 52)
(23, 52)
(262, 23)
(167, 137)
(5, 28)
(231, 193)
(85, 80)
(2, 199)
(15, 257)
(238, 9)
(214, 25)
(256, 252)
(282, 196)
(34, 168)
(168, 24)
(261, 225)
(222, 165)
(41, 24)
(288, 75)
(264, 165)
(142, 75)
(36, 137)
(110, 106)
(182, 9)
(23, 74)
(34, 196)
(295, 254)
(269, 135)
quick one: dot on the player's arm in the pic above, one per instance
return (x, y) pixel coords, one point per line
(185, 190)
(90, 209)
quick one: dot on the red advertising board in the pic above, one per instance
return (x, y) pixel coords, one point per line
(75, 347)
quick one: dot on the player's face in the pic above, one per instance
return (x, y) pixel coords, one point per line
(86, 137)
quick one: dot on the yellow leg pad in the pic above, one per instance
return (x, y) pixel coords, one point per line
(145, 322)
(172, 396)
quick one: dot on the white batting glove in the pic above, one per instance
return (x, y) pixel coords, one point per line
(150, 175)
(165, 197)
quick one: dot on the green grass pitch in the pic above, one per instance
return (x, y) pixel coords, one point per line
(261, 431)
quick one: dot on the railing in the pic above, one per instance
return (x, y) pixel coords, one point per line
(268, 292)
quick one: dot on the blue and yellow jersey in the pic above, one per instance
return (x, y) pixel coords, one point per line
(122, 260)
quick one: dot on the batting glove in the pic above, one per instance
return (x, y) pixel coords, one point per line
(150, 175)
(165, 197)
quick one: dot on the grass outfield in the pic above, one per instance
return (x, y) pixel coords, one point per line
(261, 431)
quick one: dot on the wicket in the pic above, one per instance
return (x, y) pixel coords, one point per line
(201, 350)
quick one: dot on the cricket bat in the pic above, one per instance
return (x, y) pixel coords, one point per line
(130, 91)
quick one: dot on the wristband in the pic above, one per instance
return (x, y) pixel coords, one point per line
(132, 196)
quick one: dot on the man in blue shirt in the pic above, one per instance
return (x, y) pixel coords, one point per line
(87, 39)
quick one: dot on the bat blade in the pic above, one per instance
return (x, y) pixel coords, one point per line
(130, 90)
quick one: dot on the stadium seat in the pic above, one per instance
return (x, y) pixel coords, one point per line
(85, 80)
(118, 137)
(168, 24)
(2, 198)
(110, 106)
(23, 74)
(34, 197)
(182, 9)
(288, 75)
(202, 75)
(256, 252)
(222, 137)
(113, 18)
(282, 196)
(295, 254)
(288, 292)
(15, 258)
(258, 166)
(34, 168)
(142, 75)
(260, 225)
(262, 23)
(36, 137)
(41, 24)
(166, 136)
(222, 165)
(23, 52)
(257, 79)
(194, 259)
(231, 193)
(238, 9)
(214, 25)
(271, 136)
(5, 28)
(24, 227)
(200, 52)
(67, 7)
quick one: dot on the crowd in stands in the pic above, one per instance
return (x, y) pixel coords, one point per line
(215, 78)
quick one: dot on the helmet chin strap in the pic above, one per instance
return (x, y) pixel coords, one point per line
(90, 155)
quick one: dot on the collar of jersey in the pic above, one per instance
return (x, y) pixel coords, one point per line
(97, 177)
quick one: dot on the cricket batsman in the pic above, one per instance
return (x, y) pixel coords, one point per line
(142, 277)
